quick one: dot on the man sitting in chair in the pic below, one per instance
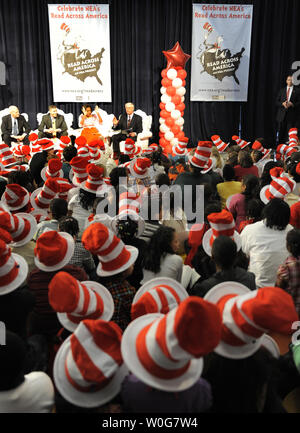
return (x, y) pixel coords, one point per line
(53, 125)
(130, 124)
(14, 127)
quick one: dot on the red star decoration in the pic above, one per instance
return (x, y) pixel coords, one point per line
(176, 57)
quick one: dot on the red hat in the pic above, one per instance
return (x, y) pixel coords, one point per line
(194, 240)
(78, 172)
(241, 143)
(129, 207)
(80, 141)
(5, 236)
(165, 352)
(40, 215)
(94, 151)
(64, 188)
(98, 142)
(45, 144)
(33, 137)
(222, 224)
(53, 169)
(290, 150)
(220, 145)
(21, 226)
(15, 196)
(94, 183)
(13, 269)
(258, 146)
(293, 137)
(34, 146)
(88, 369)
(280, 151)
(280, 186)
(6, 156)
(75, 301)
(21, 150)
(41, 197)
(65, 140)
(201, 155)
(139, 167)
(53, 250)
(180, 148)
(131, 149)
(114, 256)
(159, 295)
(84, 153)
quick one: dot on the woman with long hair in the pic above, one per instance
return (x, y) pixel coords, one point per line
(245, 166)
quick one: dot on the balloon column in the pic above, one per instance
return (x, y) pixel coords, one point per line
(172, 98)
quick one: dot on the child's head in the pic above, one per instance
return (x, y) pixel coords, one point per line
(293, 242)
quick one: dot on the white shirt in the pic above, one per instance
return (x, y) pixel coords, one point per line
(170, 266)
(266, 248)
(79, 213)
(291, 91)
(34, 395)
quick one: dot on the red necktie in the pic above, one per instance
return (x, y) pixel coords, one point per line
(288, 93)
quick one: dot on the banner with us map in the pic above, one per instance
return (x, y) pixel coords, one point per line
(80, 52)
(221, 43)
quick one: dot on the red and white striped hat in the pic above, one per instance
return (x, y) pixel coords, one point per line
(94, 182)
(21, 226)
(6, 156)
(88, 368)
(202, 154)
(114, 256)
(181, 148)
(293, 137)
(65, 141)
(64, 188)
(34, 146)
(258, 146)
(40, 215)
(129, 208)
(84, 152)
(45, 144)
(41, 197)
(78, 172)
(208, 27)
(131, 149)
(241, 143)
(165, 351)
(290, 150)
(248, 315)
(159, 295)
(21, 151)
(139, 167)
(281, 151)
(13, 269)
(53, 169)
(94, 151)
(75, 301)
(53, 250)
(220, 145)
(80, 141)
(103, 218)
(222, 224)
(15, 196)
(279, 187)
(98, 142)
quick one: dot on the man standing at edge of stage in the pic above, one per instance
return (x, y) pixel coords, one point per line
(288, 102)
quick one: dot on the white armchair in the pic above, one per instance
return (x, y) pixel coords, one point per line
(68, 118)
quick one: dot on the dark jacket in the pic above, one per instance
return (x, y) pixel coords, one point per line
(136, 124)
(291, 113)
(6, 125)
(46, 123)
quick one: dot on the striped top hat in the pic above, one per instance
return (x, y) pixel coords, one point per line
(21, 226)
(94, 182)
(84, 152)
(45, 144)
(64, 188)
(165, 351)
(258, 146)
(88, 369)
(201, 155)
(293, 137)
(53, 169)
(129, 208)
(180, 148)
(98, 142)
(41, 197)
(94, 151)
(13, 269)
(15, 196)
(21, 151)
(6, 156)
(222, 224)
(114, 257)
(105, 219)
(281, 151)
(40, 215)
(248, 315)
(208, 27)
(280, 186)
(80, 141)
(33, 138)
(290, 150)
(34, 146)
(159, 295)
(139, 167)
(130, 148)
(65, 141)
(220, 145)
(78, 173)
(53, 250)
(75, 301)
(241, 143)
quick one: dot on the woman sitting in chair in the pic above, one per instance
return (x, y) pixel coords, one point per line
(91, 123)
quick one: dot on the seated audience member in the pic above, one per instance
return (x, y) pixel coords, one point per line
(161, 259)
(232, 157)
(69, 152)
(14, 127)
(81, 257)
(40, 159)
(288, 274)
(22, 178)
(254, 208)
(229, 186)
(20, 392)
(266, 178)
(224, 254)
(264, 242)
(53, 125)
(245, 166)
(58, 209)
(292, 167)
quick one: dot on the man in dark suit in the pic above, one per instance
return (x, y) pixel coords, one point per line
(15, 127)
(288, 102)
(130, 125)
(53, 125)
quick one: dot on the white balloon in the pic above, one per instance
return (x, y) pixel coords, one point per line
(169, 135)
(163, 128)
(179, 121)
(175, 114)
(170, 106)
(177, 82)
(171, 74)
(161, 120)
(163, 90)
(174, 141)
(180, 91)
(165, 98)
(182, 98)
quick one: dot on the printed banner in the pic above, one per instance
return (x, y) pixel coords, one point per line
(80, 52)
(221, 44)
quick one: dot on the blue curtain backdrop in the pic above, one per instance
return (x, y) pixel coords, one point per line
(139, 31)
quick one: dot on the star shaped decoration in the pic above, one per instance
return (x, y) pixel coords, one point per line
(176, 57)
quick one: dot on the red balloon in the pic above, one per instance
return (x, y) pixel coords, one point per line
(176, 99)
(164, 114)
(176, 57)
(164, 73)
(163, 142)
(161, 134)
(183, 83)
(171, 91)
(162, 106)
(181, 74)
(169, 121)
(180, 135)
(175, 129)
(180, 107)
(182, 113)
(165, 82)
